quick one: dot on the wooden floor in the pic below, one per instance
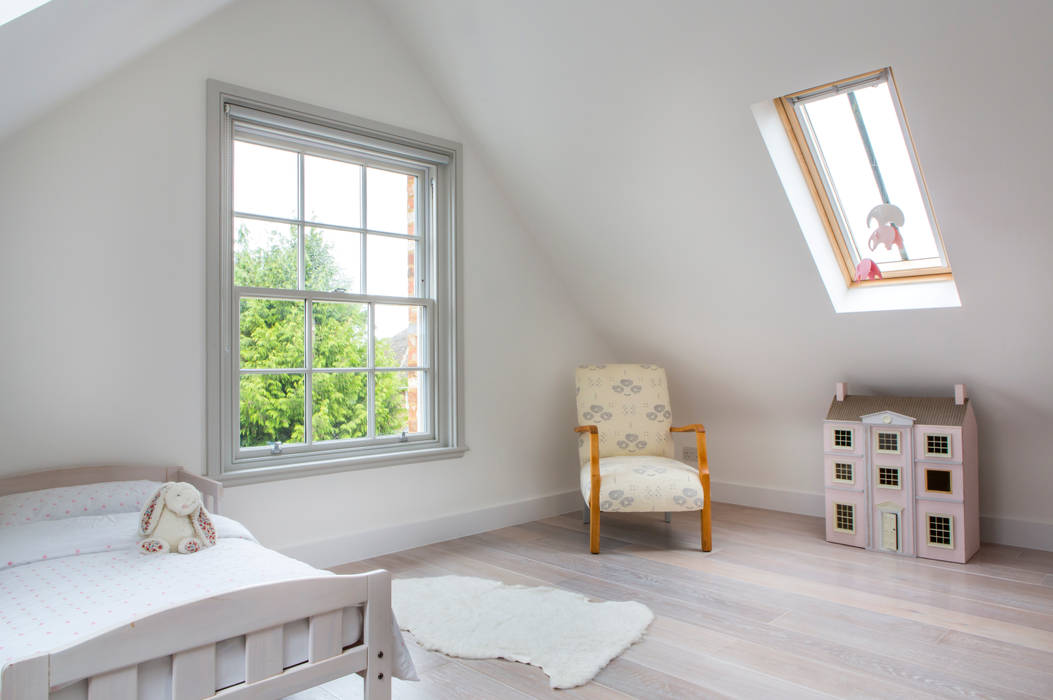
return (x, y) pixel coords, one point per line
(772, 612)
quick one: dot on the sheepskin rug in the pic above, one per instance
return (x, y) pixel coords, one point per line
(568, 636)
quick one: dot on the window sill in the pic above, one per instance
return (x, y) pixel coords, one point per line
(906, 294)
(315, 467)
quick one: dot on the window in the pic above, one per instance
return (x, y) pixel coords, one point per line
(938, 445)
(938, 480)
(855, 150)
(941, 531)
(843, 472)
(334, 245)
(844, 517)
(888, 477)
(888, 443)
(842, 438)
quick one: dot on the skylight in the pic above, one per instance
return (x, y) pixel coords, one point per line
(854, 146)
(13, 9)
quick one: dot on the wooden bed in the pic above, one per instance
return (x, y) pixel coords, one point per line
(189, 633)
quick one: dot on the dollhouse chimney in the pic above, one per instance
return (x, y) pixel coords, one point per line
(840, 389)
(959, 394)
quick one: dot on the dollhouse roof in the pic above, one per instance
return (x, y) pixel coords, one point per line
(924, 410)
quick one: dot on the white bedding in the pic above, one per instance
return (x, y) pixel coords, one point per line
(65, 581)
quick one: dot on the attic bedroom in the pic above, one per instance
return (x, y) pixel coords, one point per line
(435, 349)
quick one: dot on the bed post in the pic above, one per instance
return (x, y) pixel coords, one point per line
(377, 627)
(26, 680)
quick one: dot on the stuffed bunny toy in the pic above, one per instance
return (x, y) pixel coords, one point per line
(174, 519)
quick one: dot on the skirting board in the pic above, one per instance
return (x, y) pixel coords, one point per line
(373, 543)
(1032, 534)
(800, 502)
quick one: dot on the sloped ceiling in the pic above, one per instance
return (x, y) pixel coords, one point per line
(622, 133)
(60, 48)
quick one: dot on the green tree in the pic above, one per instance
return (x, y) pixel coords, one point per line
(272, 337)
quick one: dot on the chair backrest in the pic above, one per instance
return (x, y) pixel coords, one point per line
(630, 406)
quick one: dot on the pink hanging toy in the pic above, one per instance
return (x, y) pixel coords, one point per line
(867, 269)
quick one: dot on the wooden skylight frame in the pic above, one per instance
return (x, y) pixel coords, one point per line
(786, 107)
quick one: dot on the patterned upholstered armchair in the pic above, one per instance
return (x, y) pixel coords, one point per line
(626, 451)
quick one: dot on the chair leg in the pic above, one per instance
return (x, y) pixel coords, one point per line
(594, 532)
(707, 531)
(668, 517)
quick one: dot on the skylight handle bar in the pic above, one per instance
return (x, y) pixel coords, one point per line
(873, 163)
(841, 87)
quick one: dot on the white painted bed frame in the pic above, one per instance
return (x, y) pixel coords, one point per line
(189, 633)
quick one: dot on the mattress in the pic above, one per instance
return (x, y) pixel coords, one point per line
(65, 581)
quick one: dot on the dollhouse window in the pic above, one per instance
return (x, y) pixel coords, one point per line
(938, 445)
(843, 472)
(888, 477)
(938, 480)
(856, 153)
(844, 517)
(888, 443)
(843, 438)
(941, 533)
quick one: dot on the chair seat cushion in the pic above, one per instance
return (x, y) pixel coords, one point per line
(637, 484)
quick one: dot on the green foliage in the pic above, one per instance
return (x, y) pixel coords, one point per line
(272, 337)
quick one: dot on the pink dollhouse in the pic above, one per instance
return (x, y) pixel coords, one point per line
(901, 474)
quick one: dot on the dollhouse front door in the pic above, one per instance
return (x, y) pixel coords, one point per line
(890, 531)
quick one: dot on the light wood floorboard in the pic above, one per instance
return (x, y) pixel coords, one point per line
(773, 611)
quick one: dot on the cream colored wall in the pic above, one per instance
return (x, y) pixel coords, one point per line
(103, 280)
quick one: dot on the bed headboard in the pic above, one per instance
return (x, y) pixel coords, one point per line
(211, 491)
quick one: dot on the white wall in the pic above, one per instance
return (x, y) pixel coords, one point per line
(624, 128)
(102, 226)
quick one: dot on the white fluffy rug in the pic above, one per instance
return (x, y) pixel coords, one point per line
(570, 638)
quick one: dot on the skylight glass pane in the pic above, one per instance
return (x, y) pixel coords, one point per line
(838, 139)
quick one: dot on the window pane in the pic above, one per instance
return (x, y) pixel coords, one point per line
(391, 201)
(271, 333)
(332, 191)
(399, 402)
(340, 334)
(854, 184)
(265, 180)
(334, 260)
(391, 266)
(339, 403)
(265, 254)
(272, 409)
(397, 333)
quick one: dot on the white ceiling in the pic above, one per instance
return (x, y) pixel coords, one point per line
(621, 132)
(60, 48)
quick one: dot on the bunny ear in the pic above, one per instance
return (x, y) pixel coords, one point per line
(151, 513)
(202, 522)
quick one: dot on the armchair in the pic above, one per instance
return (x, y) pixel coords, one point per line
(626, 451)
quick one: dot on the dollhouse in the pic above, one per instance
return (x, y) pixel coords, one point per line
(901, 474)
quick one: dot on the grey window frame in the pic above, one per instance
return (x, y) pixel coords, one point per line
(436, 159)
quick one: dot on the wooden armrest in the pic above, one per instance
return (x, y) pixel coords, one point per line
(594, 455)
(700, 440)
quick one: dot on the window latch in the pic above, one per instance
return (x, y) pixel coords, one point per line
(276, 447)
(404, 437)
